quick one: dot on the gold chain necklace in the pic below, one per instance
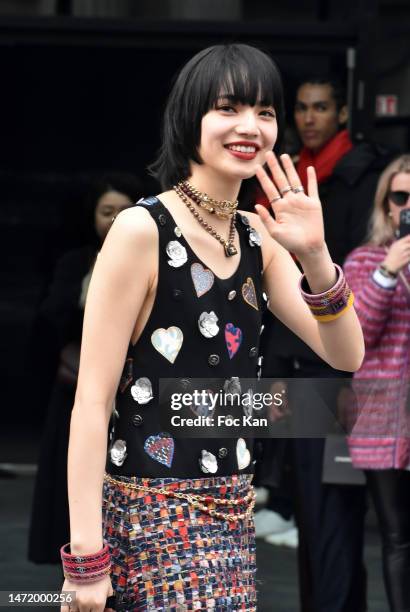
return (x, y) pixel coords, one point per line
(221, 208)
(195, 500)
(229, 247)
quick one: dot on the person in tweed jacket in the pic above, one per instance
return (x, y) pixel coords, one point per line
(379, 440)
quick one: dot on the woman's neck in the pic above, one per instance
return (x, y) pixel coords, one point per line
(213, 184)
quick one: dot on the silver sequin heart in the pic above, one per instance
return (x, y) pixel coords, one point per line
(208, 462)
(202, 277)
(207, 324)
(118, 452)
(177, 254)
(255, 239)
(141, 390)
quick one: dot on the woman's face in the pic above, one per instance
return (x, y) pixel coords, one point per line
(235, 137)
(400, 182)
(108, 207)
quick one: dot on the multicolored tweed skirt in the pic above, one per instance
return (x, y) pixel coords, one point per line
(167, 555)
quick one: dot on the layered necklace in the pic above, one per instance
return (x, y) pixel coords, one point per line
(224, 209)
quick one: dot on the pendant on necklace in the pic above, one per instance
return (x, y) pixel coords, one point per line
(230, 249)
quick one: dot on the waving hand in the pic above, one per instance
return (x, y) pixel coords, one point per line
(298, 223)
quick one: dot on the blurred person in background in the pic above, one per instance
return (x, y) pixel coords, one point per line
(59, 323)
(379, 443)
(330, 518)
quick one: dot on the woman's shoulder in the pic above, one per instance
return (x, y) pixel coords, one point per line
(136, 221)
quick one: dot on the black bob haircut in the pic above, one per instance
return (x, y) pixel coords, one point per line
(244, 73)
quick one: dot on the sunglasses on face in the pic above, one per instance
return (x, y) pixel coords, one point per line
(399, 198)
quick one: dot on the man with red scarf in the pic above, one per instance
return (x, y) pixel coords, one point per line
(330, 517)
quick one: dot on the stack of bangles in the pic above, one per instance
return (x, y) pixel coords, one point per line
(86, 568)
(330, 304)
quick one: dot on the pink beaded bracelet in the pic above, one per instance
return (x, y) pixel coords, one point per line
(330, 304)
(86, 568)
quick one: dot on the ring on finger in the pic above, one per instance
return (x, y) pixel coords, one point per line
(285, 189)
(298, 189)
(275, 199)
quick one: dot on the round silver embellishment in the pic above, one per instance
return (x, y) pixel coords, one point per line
(208, 462)
(207, 324)
(255, 238)
(137, 420)
(222, 453)
(213, 360)
(177, 231)
(177, 254)
(141, 391)
(231, 294)
(118, 452)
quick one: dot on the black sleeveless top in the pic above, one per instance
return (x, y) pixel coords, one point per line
(199, 326)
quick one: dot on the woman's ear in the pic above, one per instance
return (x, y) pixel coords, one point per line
(343, 115)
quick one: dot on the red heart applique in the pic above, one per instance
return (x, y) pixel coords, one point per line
(233, 339)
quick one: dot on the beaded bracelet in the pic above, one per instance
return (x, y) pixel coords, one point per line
(86, 568)
(330, 304)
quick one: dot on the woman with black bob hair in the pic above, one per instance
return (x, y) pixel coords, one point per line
(176, 293)
(243, 73)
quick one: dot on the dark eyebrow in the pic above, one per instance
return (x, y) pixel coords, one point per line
(316, 103)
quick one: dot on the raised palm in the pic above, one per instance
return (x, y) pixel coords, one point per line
(298, 223)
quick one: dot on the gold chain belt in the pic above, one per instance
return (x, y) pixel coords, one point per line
(197, 501)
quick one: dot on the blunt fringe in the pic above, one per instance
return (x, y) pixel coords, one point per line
(240, 71)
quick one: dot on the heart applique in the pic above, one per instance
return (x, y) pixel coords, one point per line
(233, 339)
(168, 342)
(242, 454)
(203, 279)
(249, 293)
(160, 448)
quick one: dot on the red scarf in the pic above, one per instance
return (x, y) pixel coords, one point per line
(325, 160)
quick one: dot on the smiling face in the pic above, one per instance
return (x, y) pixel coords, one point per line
(316, 115)
(236, 136)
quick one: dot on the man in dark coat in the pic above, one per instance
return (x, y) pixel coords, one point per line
(330, 517)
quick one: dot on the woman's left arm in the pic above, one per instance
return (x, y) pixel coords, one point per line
(298, 228)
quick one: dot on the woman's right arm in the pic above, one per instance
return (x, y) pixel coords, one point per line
(122, 279)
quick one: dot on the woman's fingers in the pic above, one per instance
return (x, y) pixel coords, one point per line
(266, 184)
(292, 175)
(313, 190)
(279, 177)
(267, 220)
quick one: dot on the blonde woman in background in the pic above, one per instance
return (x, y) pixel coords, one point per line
(379, 275)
